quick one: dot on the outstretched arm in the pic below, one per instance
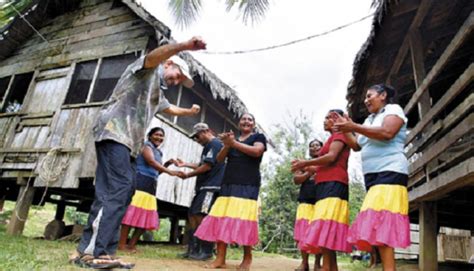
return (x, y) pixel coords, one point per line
(150, 160)
(335, 149)
(300, 177)
(162, 53)
(180, 111)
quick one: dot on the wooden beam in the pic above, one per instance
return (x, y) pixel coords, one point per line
(36, 150)
(454, 178)
(20, 213)
(418, 66)
(421, 12)
(457, 41)
(466, 106)
(461, 83)
(466, 126)
(428, 259)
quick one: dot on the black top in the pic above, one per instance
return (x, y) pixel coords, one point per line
(307, 191)
(242, 168)
(212, 179)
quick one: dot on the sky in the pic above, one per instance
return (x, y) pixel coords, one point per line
(309, 77)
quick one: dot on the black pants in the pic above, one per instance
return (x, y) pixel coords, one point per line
(114, 187)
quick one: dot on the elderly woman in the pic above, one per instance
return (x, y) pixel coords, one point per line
(383, 218)
(233, 218)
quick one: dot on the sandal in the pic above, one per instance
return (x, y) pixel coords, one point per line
(88, 261)
(122, 264)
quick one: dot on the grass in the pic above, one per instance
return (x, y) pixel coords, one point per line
(30, 252)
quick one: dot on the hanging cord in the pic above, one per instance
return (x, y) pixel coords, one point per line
(36, 30)
(286, 43)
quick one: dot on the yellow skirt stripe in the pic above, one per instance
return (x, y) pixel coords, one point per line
(144, 200)
(304, 211)
(334, 209)
(387, 197)
(233, 207)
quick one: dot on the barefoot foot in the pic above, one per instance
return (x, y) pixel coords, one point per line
(217, 263)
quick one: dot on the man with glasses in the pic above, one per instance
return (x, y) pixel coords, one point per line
(208, 182)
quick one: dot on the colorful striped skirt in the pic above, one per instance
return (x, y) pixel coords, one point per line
(329, 224)
(303, 218)
(383, 218)
(233, 218)
(142, 211)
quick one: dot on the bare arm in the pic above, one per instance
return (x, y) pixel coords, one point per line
(390, 127)
(162, 53)
(180, 111)
(352, 141)
(150, 160)
(256, 150)
(205, 167)
(335, 149)
(222, 154)
(181, 163)
(300, 177)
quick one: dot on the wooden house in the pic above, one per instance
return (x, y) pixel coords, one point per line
(59, 62)
(425, 50)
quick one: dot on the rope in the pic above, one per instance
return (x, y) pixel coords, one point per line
(49, 172)
(286, 43)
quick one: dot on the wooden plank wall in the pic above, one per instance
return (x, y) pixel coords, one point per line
(176, 145)
(95, 30)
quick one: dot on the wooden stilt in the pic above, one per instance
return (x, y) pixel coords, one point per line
(20, 213)
(428, 236)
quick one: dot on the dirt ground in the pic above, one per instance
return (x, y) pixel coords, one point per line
(262, 263)
(177, 264)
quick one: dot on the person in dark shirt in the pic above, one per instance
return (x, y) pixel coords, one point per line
(329, 225)
(234, 217)
(306, 201)
(209, 174)
(142, 212)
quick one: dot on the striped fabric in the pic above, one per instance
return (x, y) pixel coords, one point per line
(233, 218)
(329, 224)
(383, 218)
(142, 211)
(303, 217)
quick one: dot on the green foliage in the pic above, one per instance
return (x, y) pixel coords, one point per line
(9, 8)
(186, 12)
(279, 193)
(356, 197)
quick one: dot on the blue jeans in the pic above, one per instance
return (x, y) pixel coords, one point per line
(114, 187)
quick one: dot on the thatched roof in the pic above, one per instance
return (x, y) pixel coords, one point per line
(390, 26)
(17, 31)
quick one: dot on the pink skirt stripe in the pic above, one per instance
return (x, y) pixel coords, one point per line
(301, 225)
(325, 234)
(376, 228)
(141, 218)
(228, 230)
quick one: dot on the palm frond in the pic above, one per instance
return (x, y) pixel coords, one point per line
(251, 10)
(185, 12)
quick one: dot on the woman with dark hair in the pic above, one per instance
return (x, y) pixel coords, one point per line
(329, 225)
(233, 218)
(383, 219)
(142, 212)
(306, 200)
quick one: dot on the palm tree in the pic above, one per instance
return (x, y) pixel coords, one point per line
(186, 12)
(9, 8)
